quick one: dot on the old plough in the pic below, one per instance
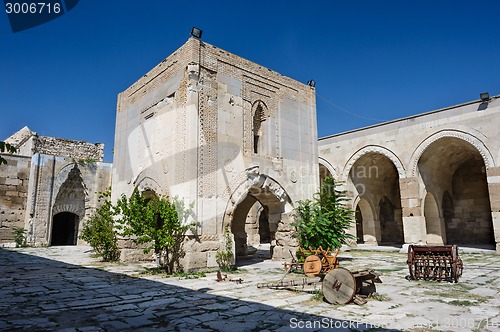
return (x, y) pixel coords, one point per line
(440, 263)
(338, 285)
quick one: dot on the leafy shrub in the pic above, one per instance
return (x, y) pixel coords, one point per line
(325, 220)
(99, 231)
(158, 223)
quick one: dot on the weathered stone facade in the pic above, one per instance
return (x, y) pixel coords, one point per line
(49, 187)
(240, 142)
(222, 132)
(431, 178)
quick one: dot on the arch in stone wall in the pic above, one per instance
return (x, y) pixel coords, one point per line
(257, 188)
(148, 180)
(453, 165)
(68, 207)
(488, 159)
(370, 224)
(61, 178)
(374, 176)
(59, 182)
(373, 149)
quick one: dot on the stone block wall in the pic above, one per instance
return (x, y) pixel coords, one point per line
(14, 181)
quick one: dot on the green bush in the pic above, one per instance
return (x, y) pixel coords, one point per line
(20, 237)
(225, 256)
(325, 220)
(158, 223)
(99, 231)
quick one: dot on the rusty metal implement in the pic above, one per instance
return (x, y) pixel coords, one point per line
(440, 263)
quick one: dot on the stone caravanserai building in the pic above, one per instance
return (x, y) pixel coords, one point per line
(239, 141)
(236, 139)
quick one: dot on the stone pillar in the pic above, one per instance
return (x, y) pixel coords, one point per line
(285, 239)
(493, 178)
(413, 220)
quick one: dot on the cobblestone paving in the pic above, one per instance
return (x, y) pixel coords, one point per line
(64, 289)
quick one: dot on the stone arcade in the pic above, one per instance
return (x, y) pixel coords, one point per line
(240, 141)
(430, 178)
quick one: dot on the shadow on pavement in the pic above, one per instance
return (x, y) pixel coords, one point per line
(39, 294)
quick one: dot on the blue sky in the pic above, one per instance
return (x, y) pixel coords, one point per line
(372, 60)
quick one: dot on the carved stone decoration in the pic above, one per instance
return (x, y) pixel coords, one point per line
(71, 195)
(207, 140)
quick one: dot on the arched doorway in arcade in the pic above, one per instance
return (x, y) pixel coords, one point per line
(254, 214)
(374, 178)
(455, 171)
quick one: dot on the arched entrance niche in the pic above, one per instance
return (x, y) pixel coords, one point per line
(366, 228)
(256, 213)
(434, 224)
(455, 170)
(68, 210)
(374, 178)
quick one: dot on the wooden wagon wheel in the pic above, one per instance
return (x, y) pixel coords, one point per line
(339, 286)
(312, 266)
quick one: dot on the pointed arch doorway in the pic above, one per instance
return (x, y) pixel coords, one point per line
(259, 192)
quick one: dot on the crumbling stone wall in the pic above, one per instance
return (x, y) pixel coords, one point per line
(78, 150)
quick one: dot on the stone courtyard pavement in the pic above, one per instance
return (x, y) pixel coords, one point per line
(65, 289)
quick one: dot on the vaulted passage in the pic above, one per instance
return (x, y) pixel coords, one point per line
(250, 226)
(64, 229)
(375, 179)
(453, 171)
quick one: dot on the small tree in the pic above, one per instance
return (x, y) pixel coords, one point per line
(324, 221)
(158, 223)
(99, 230)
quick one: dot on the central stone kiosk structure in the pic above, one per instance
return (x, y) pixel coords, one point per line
(237, 139)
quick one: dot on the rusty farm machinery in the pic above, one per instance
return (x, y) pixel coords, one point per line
(440, 263)
(321, 267)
